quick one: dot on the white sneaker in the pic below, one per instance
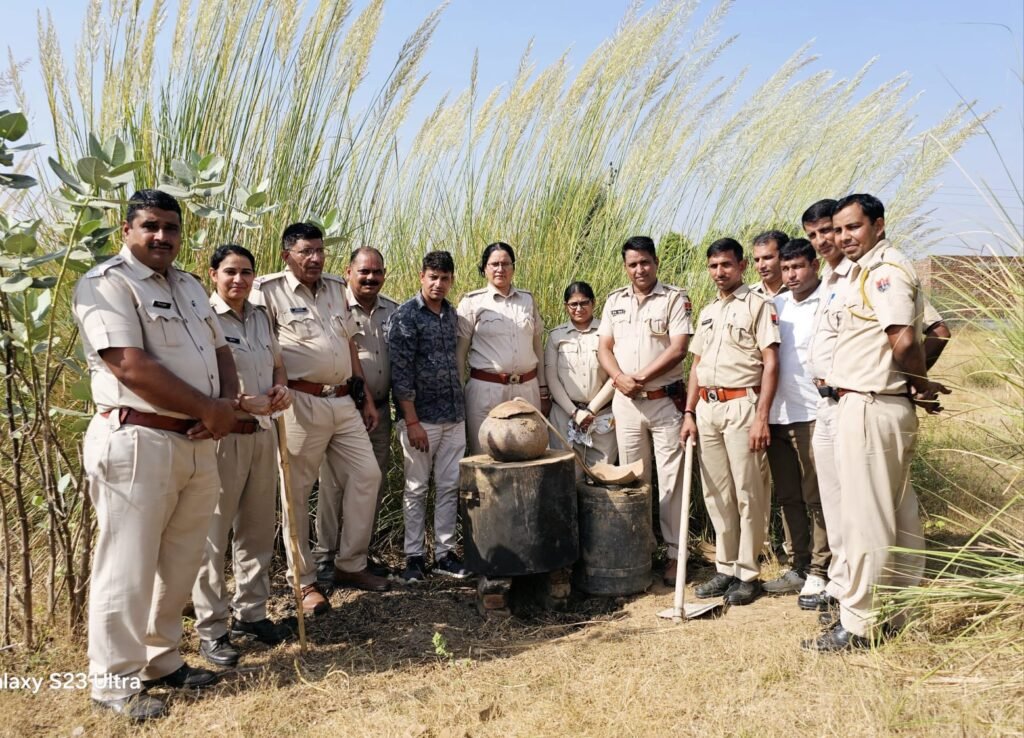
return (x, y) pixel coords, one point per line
(813, 585)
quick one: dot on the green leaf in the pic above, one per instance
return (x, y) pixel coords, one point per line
(204, 211)
(211, 166)
(184, 173)
(17, 282)
(63, 482)
(80, 254)
(173, 190)
(126, 167)
(44, 283)
(80, 425)
(256, 200)
(96, 148)
(66, 177)
(24, 147)
(81, 390)
(16, 181)
(20, 243)
(50, 256)
(13, 125)
(115, 151)
(94, 171)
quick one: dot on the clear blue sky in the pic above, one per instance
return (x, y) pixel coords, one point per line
(947, 46)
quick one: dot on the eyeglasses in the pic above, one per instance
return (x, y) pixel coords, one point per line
(306, 253)
(500, 264)
(579, 305)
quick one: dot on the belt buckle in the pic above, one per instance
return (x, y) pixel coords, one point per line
(328, 390)
(514, 378)
(713, 395)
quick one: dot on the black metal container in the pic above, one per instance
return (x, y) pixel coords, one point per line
(616, 540)
(519, 517)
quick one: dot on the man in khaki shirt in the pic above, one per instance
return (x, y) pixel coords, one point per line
(370, 312)
(165, 388)
(878, 353)
(645, 329)
(732, 384)
(313, 326)
(766, 250)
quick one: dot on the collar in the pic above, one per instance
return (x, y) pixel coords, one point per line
(294, 283)
(352, 302)
(874, 254)
(740, 293)
(139, 270)
(221, 307)
(493, 291)
(568, 327)
(813, 297)
(657, 289)
(422, 304)
(768, 293)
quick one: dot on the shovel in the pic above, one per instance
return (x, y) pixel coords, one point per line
(679, 611)
(601, 472)
(293, 535)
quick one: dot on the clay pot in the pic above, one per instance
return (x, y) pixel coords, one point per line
(514, 431)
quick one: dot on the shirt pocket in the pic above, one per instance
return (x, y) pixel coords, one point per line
(740, 333)
(491, 325)
(165, 327)
(303, 326)
(568, 356)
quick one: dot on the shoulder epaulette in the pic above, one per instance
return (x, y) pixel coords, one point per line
(385, 298)
(472, 293)
(100, 269)
(264, 279)
(334, 278)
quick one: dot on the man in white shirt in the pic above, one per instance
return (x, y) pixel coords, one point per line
(791, 423)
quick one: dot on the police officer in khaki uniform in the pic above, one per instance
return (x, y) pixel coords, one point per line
(732, 385)
(878, 353)
(766, 250)
(581, 390)
(246, 462)
(313, 326)
(501, 340)
(645, 329)
(164, 383)
(370, 312)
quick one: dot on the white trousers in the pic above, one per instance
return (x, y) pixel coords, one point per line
(447, 445)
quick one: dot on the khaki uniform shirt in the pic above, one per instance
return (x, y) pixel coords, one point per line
(731, 333)
(368, 333)
(122, 303)
(863, 357)
(572, 370)
(252, 342)
(762, 289)
(313, 329)
(834, 283)
(501, 329)
(643, 330)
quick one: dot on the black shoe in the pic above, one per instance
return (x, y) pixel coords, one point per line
(377, 567)
(415, 570)
(450, 566)
(836, 639)
(264, 631)
(717, 586)
(135, 707)
(743, 593)
(789, 583)
(219, 651)
(828, 618)
(184, 676)
(821, 601)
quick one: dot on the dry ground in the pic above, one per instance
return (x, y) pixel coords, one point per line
(606, 669)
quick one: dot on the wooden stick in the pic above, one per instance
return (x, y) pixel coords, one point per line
(293, 535)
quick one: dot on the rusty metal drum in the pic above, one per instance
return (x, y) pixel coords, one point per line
(616, 539)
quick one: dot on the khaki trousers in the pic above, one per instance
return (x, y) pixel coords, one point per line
(447, 446)
(605, 448)
(791, 460)
(331, 428)
(246, 507)
(482, 397)
(154, 492)
(649, 430)
(329, 494)
(875, 441)
(823, 443)
(736, 492)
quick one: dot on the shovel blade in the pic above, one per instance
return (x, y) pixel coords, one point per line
(691, 612)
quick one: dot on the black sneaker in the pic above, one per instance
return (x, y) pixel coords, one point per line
(264, 631)
(717, 586)
(449, 566)
(219, 651)
(184, 676)
(743, 593)
(136, 707)
(415, 569)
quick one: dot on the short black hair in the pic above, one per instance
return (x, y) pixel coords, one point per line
(299, 232)
(145, 199)
(365, 249)
(817, 211)
(780, 239)
(222, 252)
(582, 287)
(871, 205)
(439, 261)
(726, 244)
(639, 243)
(797, 248)
(490, 249)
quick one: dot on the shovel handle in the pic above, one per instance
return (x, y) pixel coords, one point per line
(684, 528)
(293, 534)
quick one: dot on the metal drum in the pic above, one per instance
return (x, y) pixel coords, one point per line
(616, 540)
(519, 517)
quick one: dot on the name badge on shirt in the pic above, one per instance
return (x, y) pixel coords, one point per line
(298, 310)
(161, 304)
(618, 312)
(706, 322)
(232, 339)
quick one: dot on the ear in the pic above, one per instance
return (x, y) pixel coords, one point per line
(213, 273)
(879, 226)
(125, 227)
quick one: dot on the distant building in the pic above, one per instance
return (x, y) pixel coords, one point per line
(971, 287)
